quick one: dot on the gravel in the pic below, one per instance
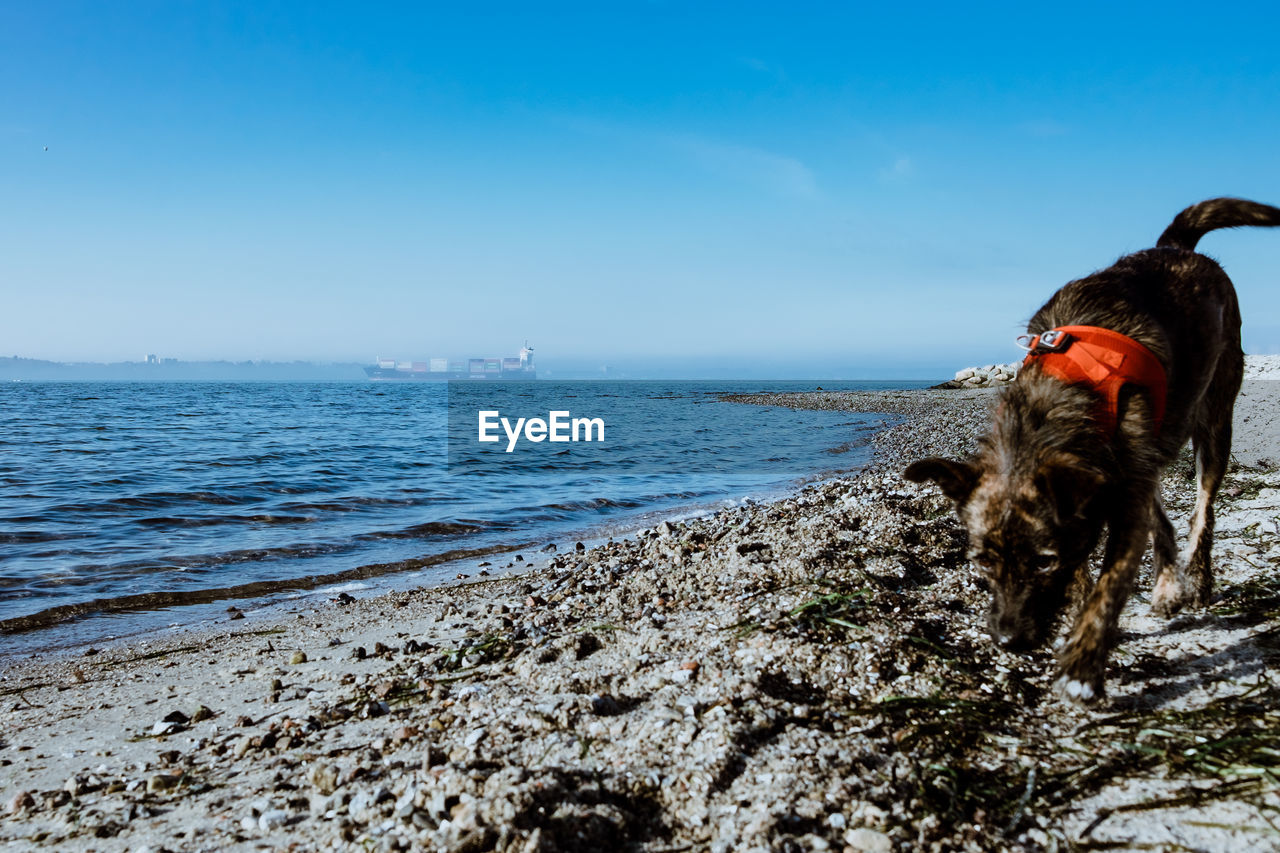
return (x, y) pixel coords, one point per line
(811, 673)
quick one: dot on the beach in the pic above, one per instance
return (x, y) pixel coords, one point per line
(811, 673)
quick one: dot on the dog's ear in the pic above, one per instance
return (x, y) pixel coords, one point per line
(956, 479)
(1069, 484)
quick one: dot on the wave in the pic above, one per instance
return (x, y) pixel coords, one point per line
(432, 529)
(215, 520)
(256, 589)
(30, 537)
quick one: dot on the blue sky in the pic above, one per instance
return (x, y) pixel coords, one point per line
(791, 186)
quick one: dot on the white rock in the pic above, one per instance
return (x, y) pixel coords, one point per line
(273, 819)
(868, 840)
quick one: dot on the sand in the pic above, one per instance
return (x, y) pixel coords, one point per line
(807, 674)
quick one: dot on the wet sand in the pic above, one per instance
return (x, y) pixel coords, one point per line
(807, 674)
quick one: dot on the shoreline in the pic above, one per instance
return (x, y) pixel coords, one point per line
(202, 609)
(813, 668)
(63, 620)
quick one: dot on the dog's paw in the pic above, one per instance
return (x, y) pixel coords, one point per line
(1168, 597)
(1079, 692)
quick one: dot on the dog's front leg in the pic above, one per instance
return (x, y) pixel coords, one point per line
(1083, 660)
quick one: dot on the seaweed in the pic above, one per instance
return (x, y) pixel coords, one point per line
(475, 651)
(832, 613)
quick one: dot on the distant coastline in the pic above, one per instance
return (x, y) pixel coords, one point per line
(173, 370)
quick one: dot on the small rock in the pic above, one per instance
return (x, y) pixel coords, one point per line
(474, 737)
(272, 819)
(162, 782)
(202, 713)
(320, 803)
(868, 840)
(298, 657)
(325, 777)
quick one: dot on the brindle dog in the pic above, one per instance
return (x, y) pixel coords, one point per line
(1048, 477)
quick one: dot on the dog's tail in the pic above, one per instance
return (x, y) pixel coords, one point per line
(1199, 219)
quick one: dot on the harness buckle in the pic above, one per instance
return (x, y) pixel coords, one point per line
(1054, 340)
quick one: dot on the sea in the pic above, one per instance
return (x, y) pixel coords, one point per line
(127, 508)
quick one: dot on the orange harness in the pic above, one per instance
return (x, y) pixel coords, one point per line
(1103, 360)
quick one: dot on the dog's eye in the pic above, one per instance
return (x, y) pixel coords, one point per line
(1044, 562)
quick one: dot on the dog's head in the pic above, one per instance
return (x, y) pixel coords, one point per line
(1031, 523)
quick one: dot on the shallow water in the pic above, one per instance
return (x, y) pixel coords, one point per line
(135, 496)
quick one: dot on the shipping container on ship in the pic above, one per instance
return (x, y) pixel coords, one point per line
(519, 369)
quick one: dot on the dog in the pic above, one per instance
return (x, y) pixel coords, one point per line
(1124, 367)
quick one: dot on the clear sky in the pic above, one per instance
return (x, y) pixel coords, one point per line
(891, 187)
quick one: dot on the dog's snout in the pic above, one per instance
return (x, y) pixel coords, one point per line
(1009, 635)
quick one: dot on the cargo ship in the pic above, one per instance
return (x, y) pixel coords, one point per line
(519, 369)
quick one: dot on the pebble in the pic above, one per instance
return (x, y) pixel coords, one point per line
(324, 777)
(162, 782)
(20, 802)
(866, 840)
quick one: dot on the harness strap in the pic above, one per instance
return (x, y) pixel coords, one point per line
(1104, 361)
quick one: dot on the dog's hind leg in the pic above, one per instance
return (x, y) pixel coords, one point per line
(1192, 583)
(1213, 449)
(1165, 556)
